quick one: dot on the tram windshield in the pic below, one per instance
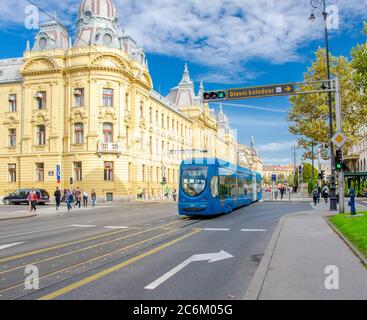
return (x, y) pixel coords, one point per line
(194, 180)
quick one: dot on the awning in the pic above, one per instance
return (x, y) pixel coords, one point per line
(355, 174)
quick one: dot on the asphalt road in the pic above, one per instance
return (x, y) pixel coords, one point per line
(137, 252)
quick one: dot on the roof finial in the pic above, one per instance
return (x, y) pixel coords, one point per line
(70, 43)
(28, 46)
(186, 76)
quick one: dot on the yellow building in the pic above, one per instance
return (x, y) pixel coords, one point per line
(89, 107)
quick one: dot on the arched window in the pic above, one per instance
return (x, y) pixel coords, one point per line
(78, 133)
(41, 135)
(107, 132)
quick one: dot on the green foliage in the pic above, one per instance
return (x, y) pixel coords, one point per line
(355, 229)
(307, 172)
(309, 114)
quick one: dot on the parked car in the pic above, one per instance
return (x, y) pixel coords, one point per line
(268, 189)
(21, 196)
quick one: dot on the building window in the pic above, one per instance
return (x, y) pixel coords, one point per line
(109, 196)
(167, 122)
(12, 103)
(127, 101)
(41, 135)
(107, 98)
(12, 137)
(78, 133)
(78, 174)
(40, 172)
(141, 110)
(156, 117)
(12, 170)
(41, 100)
(108, 171)
(150, 145)
(79, 97)
(150, 115)
(163, 120)
(107, 132)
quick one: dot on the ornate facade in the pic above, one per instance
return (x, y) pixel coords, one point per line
(88, 106)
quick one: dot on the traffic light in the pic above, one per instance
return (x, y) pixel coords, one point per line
(300, 170)
(71, 180)
(322, 175)
(214, 95)
(164, 181)
(339, 160)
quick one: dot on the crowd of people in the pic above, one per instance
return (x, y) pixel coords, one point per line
(74, 198)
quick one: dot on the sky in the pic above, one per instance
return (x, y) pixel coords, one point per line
(227, 44)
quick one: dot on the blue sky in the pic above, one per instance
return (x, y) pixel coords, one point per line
(231, 43)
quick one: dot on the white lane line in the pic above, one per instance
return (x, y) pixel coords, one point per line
(83, 225)
(5, 246)
(216, 229)
(30, 232)
(116, 227)
(254, 230)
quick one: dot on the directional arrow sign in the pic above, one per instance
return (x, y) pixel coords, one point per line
(261, 92)
(210, 257)
(5, 246)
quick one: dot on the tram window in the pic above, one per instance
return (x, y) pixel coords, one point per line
(194, 180)
(214, 187)
(223, 188)
(241, 186)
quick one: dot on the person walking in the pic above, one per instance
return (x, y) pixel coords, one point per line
(325, 193)
(282, 189)
(315, 195)
(32, 200)
(78, 197)
(93, 197)
(57, 196)
(174, 195)
(319, 191)
(69, 199)
(85, 199)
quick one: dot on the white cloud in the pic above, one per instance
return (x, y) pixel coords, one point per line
(276, 146)
(222, 35)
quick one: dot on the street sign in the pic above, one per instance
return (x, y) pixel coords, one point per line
(261, 92)
(58, 174)
(274, 177)
(339, 139)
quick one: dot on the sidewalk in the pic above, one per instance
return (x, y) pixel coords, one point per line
(51, 210)
(293, 266)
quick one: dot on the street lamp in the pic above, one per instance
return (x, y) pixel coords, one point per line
(321, 5)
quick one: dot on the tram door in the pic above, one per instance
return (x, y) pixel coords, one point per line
(254, 187)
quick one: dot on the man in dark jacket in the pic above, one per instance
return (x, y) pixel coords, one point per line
(57, 196)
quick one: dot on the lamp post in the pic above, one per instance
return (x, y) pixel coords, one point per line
(321, 4)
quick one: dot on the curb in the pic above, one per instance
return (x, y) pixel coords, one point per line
(347, 242)
(19, 217)
(254, 289)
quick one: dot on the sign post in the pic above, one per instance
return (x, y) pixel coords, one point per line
(273, 179)
(58, 174)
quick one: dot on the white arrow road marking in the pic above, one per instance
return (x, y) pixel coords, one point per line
(116, 227)
(5, 246)
(210, 257)
(254, 230)
(83, 225)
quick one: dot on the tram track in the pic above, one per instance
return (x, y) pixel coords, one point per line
(110, 251)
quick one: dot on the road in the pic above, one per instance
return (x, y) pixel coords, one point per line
(137, 252)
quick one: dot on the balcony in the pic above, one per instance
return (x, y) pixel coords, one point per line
(109, 147)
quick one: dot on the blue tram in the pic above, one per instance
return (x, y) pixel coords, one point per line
(210, 186)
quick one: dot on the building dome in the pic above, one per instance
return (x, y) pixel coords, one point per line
(97, 8)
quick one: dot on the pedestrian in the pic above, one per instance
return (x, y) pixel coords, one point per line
(315, 195)
(319, 191)
(78, 197)
(69, 199)
(282, 189)
(174, 195)
(85, 199)
(325, 193)
(276, 194)
(168, 192)
(140, 193)
(94, 198)
(57, 196)
(32, 200)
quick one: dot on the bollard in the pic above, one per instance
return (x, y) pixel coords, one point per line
(352, 202)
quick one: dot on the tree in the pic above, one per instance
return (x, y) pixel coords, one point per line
(307, 172)
(309, 114)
